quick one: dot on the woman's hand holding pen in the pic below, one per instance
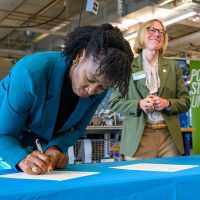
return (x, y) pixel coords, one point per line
(58, 158)
(40, 163)
(36, 163)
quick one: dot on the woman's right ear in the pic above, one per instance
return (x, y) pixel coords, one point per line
(82, 54)
(79, 56)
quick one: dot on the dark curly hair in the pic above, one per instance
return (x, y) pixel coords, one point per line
(104, 43)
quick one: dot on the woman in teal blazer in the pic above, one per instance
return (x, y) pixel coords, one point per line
(52, 96)
(151, 110)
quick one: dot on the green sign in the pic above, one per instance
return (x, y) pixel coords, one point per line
(195, 104)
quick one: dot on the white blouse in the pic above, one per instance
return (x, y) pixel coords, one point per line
(152, 83)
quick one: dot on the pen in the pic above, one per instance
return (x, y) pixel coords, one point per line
(39, 148)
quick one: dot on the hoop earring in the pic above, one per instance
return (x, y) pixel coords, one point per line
(74, 63)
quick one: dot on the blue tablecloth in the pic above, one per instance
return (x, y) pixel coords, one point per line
(112, 184)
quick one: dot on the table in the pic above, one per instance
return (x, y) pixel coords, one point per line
(112, 184)
(107, 130)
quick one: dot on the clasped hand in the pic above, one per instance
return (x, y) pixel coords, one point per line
(153, 103)
(41, 163)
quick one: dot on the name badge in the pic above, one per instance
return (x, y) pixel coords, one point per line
(138, 75)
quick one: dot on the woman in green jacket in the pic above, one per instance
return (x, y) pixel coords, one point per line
(156, 95)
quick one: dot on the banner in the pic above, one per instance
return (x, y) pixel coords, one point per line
(184, 118)
(195, 104)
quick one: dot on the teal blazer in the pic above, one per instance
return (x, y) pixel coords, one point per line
(172, 88)
(29, 101)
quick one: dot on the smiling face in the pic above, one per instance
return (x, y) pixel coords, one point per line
(85, 82)
(155, 37)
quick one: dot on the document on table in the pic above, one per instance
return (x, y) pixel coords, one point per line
(54, 175)
(155, 167)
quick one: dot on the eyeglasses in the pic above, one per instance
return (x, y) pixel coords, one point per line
(153, 30)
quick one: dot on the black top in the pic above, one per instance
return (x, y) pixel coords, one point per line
(68, 102)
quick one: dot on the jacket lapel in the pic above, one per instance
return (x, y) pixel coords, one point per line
(141, 83)
(53, 98)
(163, 70)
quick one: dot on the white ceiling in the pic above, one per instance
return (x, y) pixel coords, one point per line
(23, 22)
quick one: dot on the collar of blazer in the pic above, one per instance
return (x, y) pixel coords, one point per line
(57, 77)
(163, 69)
(53, 97)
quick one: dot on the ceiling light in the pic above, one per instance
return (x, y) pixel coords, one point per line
(165, 2)
(179, 18)
(125, 24)
(54, 29)
(128, 22)
(130, 36)
(40, 37)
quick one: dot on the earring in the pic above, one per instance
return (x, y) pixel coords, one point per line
(74, 63)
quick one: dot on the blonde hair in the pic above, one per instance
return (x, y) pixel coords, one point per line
(139, 41)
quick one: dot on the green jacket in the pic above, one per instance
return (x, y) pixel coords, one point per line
(172, 87)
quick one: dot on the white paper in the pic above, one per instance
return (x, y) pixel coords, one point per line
(156, 167)
(54, 175)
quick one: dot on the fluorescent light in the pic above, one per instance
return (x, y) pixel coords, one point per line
(40, 37)
(128, 22)
(125, 23)
(131, 36)
(58, 27)
(179, 18)
(54, 29)
(165, 2)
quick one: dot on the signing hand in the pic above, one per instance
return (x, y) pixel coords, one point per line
(35, 163)
(58, 158)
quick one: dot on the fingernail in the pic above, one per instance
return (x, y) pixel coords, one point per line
(49, 171)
